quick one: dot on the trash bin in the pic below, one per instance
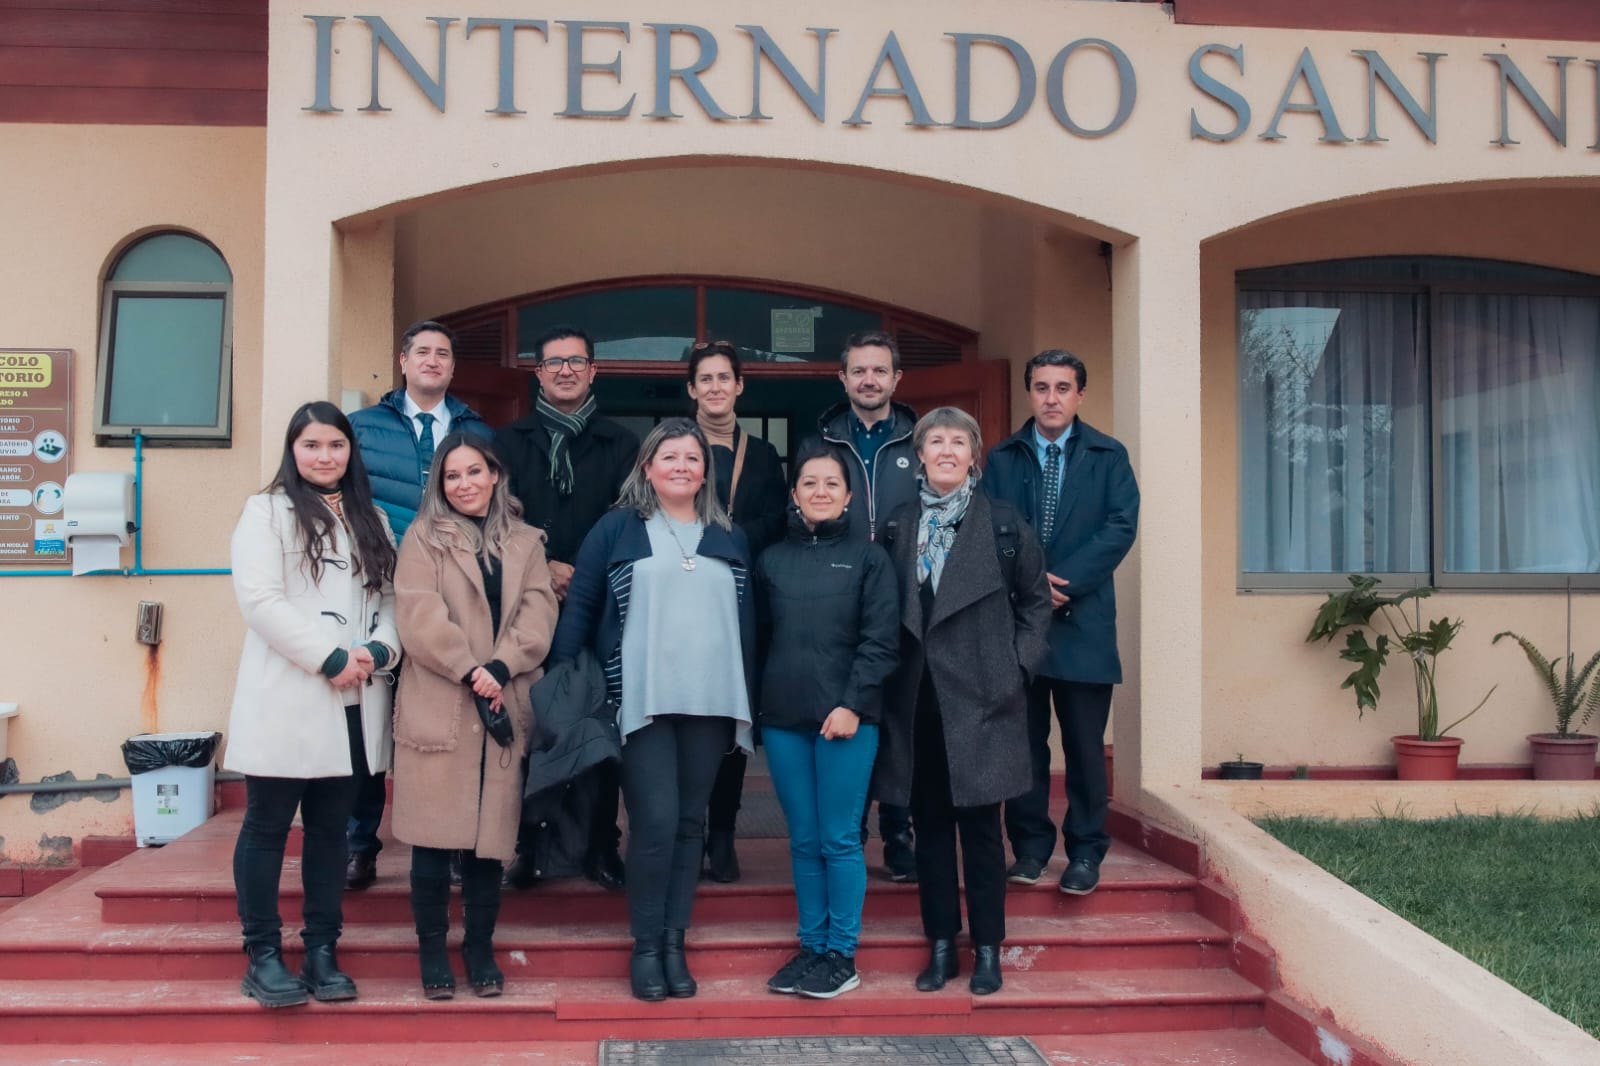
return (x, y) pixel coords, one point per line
(174, 782)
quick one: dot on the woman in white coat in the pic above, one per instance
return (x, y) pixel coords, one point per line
(313, 567)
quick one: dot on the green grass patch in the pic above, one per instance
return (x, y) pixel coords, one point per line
(1518, 896)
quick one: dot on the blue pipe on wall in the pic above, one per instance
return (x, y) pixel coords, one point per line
(138, 569)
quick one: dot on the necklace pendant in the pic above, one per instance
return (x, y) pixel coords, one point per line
(688, 564)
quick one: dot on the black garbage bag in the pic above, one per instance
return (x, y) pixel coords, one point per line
(156, 751)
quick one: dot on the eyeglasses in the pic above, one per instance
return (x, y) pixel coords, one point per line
(553, 365)
(721, 347)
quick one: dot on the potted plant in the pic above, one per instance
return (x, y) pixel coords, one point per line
(1429, 753)
(1564, 755)
(1239, 769)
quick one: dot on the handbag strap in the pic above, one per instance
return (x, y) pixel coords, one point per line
(738, 466)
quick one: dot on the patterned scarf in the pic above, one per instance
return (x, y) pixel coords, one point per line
(936, 526)
(563, 427)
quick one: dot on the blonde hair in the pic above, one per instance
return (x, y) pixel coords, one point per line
(443, 527)
(640, 496)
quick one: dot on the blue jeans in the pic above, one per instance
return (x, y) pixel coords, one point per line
(822, 786)
(362, 831)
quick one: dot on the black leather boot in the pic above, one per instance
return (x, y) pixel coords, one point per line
(268, 981)
(320, 974)
(480, 902)
(943, 964)
(430, 910)
(985, 970)
(645, 972)
(675, 968)
(722, 864)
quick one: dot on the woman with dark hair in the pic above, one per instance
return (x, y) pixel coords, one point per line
(313, 563)
(974, 609)
(661, 595)
(476, 612)
(831, 622)
(748, 477)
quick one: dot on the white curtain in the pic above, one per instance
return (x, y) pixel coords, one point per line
(1334, 432)
(1520, 433)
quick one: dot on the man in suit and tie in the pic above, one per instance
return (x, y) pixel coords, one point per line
(1076, 487)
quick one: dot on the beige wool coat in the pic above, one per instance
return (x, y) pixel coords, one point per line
(439, 744)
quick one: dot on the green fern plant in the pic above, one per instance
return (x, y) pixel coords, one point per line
(1570, 690)
(1360, 608)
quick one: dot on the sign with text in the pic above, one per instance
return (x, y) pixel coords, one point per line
(35, 431)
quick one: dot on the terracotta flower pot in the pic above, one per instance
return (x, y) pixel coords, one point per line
(1563, 758)
(1426, 760)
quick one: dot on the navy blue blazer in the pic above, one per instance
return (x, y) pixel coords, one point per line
(596, 606)
(1097, 520)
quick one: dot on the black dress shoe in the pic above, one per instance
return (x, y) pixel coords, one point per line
(320, 974)
(1025, 871)
(645, 973)
(268, 981)
(722, 865)
(985, 970)
(675, 968)
(900, 858)
(943, 964)
(520, 874)
(605, 869)
(1080, 877)
(360, 871)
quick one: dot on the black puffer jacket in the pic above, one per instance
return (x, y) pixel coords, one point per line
(830, 619)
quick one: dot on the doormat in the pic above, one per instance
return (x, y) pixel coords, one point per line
(825, 1051)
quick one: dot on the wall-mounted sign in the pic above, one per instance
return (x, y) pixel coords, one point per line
(35, 453)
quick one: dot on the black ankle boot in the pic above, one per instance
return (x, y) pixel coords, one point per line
(430, 910)
(268, 981)
(722, 864)
(985, 969)
(675, 968)
(480, 901)
(943, 964)
(320, 974)
(645, 971)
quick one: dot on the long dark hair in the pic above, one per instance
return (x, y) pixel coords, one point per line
(374, 555)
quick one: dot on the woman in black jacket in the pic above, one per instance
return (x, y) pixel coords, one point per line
(748, 477)
(831, 620)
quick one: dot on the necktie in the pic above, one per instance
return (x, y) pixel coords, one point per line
(1052, 491)
(425, 442)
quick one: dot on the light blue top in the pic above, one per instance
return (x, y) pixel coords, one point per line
(681, 652)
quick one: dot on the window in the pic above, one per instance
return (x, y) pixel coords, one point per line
(166, 343)
(1425, 420)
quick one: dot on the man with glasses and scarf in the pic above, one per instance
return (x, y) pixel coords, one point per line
(567, 464)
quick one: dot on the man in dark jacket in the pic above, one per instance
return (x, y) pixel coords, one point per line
(567, 464)
(876, 432)
(397, 436)
(1076, 488)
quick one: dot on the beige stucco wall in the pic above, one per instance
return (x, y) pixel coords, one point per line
(75, 196)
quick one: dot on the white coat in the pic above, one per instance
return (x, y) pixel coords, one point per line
(287, 719)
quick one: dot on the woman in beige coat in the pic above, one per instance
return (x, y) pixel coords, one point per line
(475, 612)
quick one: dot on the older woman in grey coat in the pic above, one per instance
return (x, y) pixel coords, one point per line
(954, 739)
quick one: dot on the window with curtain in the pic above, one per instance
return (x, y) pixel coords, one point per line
(1426, 429)
(166, 343)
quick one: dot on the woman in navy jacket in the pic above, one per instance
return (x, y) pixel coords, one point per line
(831, 623)
(661, 595)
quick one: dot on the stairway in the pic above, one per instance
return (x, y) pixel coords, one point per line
(136, 960)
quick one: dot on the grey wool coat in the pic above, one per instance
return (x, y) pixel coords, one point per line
(439, 744)
(982, 644)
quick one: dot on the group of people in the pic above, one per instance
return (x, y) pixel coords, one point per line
(895, 619)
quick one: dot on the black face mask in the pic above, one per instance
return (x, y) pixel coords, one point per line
(496, 723)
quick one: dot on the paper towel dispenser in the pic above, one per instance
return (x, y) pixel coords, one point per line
(98, 505)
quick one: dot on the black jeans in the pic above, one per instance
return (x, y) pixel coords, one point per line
(1082, 711)
(668, 768)
(939, 820)
(324, 804)
(722, 814)
(371, 795)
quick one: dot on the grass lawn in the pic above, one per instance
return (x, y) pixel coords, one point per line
(1518, 896)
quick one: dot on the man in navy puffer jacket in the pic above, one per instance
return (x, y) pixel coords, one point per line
(397, 436)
